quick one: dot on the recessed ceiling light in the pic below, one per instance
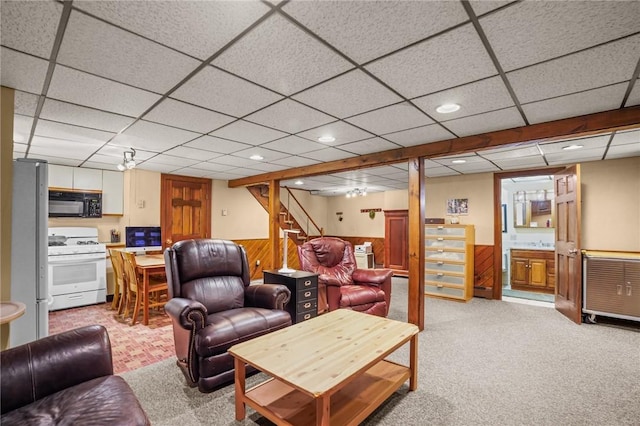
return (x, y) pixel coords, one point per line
(459, 161)
(256, 157)
(299, 182)
(448, 108)
(326, 138)
(570, 147)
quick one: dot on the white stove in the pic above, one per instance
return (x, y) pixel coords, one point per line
(77, 267)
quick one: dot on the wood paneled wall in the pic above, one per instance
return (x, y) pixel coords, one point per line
(483, 271)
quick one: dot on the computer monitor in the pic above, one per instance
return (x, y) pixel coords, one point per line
(140, 239)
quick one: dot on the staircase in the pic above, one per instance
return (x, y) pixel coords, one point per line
(285, 219)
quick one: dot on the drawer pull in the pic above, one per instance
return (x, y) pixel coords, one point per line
(440, 286)
(307, 293)
(440, 227)
(440, 263)
(307, 305)
(307, 316)
(440, 274)
(440, 239)
(307, 283)
(440, 251)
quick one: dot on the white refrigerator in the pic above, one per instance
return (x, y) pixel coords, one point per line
(29, 250)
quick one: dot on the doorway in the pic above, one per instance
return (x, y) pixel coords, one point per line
(525, 235)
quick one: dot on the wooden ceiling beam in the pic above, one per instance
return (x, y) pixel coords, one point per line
(585, 125)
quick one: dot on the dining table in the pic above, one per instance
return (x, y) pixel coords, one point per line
(147, 265)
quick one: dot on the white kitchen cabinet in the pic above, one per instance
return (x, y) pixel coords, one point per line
(112, 192)
(60, 176)
(87, 179)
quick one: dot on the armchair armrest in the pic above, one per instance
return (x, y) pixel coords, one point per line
(371, 276)
(190, 314)
(48, 365)
(270, 296)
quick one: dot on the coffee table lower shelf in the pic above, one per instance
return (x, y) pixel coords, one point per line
(284, 405)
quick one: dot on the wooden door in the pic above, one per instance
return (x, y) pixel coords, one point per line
(568, 294)
(396, 234)
(186, 208)
(519, 271)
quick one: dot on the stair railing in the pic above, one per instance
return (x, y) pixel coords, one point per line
(308, 217)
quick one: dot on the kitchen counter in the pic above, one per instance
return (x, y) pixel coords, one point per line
(532, 247)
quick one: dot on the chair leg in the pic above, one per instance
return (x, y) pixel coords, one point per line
(116, 295)
(136, 309)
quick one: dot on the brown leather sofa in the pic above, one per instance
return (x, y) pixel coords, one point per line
(213, 307)
(66, 379)
(340, 283)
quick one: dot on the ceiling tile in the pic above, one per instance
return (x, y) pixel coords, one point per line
(188, 117)
(22, 72)
(481, 96)
(49, 154)
(408, 71)
(440, 171)
(171, 160)
(232, 160)
(192, 153)
(268, 167)
(474, 167)
(210, 143)
(152, 137)
(25, 103)
(520, 162)
(82, 116)
(281, 56)
(611, 63)
(625, 144)
(480, 7)
(507, 118)
(591, 101)
(391, 119)
(99, 165)
(293, 145)
(68, 132)
(343, 132)
(328, 154)
(22, 128)
(530, 32)
(296, 161)
(234, 96)
(570, 157)
(54, 146)
(369, 146)
(419, 135)
(157, 167)
(88, 90)
(268, 155)
(30, 26)
(212, 167)
(198, 28)
(228, 175)
(349, 94)
(367, 30)
(290, 116)
(511, 152)
(249, 133)
(634, 96)
(123, 57)
(117, 151)
(596, 142)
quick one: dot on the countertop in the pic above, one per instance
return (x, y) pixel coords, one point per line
(532, 247)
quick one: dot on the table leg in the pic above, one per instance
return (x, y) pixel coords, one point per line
(239, 388)
(145, 306)
(413, 362)
(323, 416)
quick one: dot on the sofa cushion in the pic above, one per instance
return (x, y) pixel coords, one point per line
(225, 329)
(353, 295)
(105, 400)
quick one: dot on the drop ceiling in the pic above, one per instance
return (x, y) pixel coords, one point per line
(197, 87)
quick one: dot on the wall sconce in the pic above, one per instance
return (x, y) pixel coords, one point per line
(356, 192)
(128, 162)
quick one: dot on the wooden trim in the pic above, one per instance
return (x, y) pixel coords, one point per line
(601, 122)
(274, 223)
(415, 311)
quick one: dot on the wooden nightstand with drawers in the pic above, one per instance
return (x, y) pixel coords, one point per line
(304, 292)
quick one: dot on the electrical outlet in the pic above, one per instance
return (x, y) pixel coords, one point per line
(257, 263)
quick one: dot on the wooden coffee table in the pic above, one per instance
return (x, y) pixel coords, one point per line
(327, 370)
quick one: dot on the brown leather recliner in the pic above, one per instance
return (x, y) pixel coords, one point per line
(66, 379)
(340, 283)
(213, 307)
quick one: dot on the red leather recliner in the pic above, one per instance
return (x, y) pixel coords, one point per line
(340, 283)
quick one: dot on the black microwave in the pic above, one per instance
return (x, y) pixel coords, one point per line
(75, 204)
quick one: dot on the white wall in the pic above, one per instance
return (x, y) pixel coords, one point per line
(245, 219)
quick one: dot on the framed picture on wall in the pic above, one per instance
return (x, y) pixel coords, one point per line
(458, 206)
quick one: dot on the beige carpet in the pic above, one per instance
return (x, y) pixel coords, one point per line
(481, 363)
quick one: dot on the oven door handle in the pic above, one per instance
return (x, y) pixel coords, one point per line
(81, 260)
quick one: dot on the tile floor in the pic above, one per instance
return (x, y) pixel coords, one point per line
(132, 346)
